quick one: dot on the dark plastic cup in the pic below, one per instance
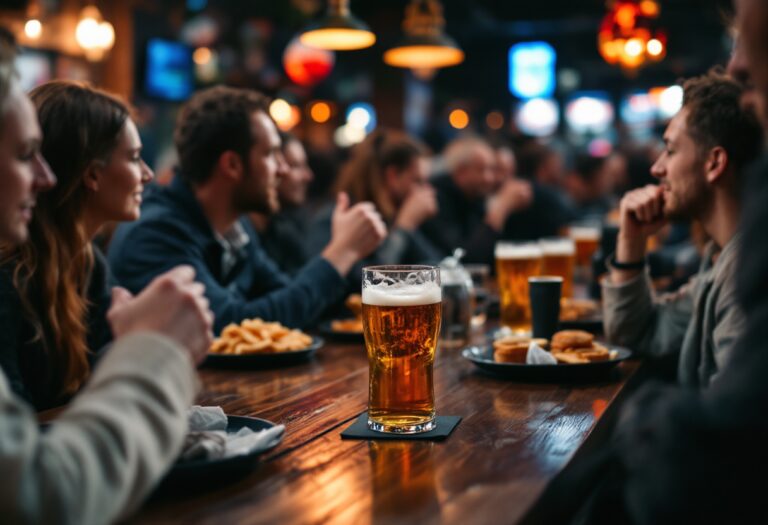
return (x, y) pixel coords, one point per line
(545, 304)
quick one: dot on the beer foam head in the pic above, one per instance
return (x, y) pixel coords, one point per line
(586, 233)
(401, 294)
(518, 251)
(558, 246)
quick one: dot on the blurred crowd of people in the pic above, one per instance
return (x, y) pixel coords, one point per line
(475, 192)
(232, 237)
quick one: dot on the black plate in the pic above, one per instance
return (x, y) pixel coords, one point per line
(347, 337)
(482, 357)
(264, 360)
(212, 472)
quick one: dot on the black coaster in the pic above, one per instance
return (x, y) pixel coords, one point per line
(359, 430)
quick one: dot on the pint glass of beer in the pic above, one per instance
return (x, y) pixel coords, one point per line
(587, 240)
(402, 308)
(559, 259)
(515, 262)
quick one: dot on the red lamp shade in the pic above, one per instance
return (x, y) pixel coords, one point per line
(307, 66)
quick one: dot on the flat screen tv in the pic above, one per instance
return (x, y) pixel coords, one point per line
(169, 71)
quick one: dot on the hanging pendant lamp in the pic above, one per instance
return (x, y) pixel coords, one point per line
(425, 45)
(339, 30)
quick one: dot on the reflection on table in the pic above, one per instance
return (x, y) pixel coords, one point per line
(513, 440)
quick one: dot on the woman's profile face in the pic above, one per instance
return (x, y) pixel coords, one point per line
(119, 182)
(413, 177)
(23, 171)
(292, 188)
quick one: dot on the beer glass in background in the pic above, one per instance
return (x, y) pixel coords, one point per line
(515, 263)
(587, 240)
(559, 259)
(401, 322)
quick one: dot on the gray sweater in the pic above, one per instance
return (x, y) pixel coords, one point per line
(106, 452)
(700, 322)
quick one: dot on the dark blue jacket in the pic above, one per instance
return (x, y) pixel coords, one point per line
(173, 230)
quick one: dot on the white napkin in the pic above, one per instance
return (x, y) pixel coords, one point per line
(538, 356)
(206, 418)
(208, 438)
(203, 445)
(246, 440)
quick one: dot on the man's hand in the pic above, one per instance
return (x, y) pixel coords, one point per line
(513, 196)
(641, 214)
(355, 232)
(172, 305)
(420, 205)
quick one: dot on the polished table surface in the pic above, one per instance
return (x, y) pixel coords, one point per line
(513, 440)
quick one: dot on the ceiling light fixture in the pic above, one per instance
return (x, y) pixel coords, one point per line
(425, 46)
(33, 28)
(339, 30)
(94, 35)
(628, 36)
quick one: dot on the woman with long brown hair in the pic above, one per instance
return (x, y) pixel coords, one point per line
(391, 170)
(62, 283)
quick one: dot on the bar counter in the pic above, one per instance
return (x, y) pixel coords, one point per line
(513, 440)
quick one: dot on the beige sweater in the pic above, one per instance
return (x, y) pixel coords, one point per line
(700, 323)
(106, 452)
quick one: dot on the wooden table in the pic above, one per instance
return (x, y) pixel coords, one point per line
(513, 440)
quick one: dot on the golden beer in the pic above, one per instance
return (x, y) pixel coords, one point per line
(559, 259)
(514, 264)
(587, 240)
(401, 326)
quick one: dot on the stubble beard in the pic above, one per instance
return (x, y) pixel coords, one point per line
(694, 208)
(262, 204)
(263, 200)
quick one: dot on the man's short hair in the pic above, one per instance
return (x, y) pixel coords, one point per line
(459, 151)
(214, 121)
(286, 138)
(531, 156)
(587, 167)
(716, 118)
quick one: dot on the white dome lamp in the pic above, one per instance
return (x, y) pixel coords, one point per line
(94, 35)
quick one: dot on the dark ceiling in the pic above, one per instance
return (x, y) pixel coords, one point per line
(485, 29)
